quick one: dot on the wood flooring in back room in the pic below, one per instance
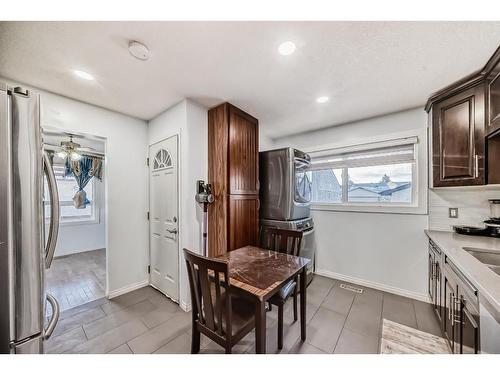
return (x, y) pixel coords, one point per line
(78, 278)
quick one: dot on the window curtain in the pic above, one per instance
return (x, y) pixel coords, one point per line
(83, 170)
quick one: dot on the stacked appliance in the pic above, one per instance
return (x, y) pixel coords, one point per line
(25, 251)
(285, 196)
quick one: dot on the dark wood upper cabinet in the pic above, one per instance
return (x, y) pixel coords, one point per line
(233, 162)
(492, 71)
(458, 139)
(494, 100)
(463, 117)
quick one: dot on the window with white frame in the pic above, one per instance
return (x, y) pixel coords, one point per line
(378, 174)
(67, 188)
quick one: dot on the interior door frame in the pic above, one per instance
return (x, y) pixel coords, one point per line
(104, 200)
(179, 213)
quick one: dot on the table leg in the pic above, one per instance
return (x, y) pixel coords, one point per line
(260, 327)
(303, 303)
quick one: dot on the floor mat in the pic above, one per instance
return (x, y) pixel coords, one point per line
(400, 339)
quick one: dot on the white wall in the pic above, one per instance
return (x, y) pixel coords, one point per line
(125, 172)
(387, 251)
(265, 142)
(78, 237)
(190, 121)
(472, 203)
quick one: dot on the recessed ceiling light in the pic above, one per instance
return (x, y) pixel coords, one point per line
(287, 48)
(322, 99)
(83, 75)
(138, 50)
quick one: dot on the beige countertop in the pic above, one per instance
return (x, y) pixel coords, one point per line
(484, 279)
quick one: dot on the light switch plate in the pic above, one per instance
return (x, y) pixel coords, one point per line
(453, 212)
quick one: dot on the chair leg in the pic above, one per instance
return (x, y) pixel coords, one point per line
(295, 298)
(280, 326)
(228, 349)
(195, 340)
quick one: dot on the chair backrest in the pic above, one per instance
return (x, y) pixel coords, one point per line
(207, 277)
(282, 240)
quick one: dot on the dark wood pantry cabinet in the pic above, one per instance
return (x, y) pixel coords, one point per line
(233, 171)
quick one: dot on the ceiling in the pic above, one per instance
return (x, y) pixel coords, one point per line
(365, 68)
(55, 137)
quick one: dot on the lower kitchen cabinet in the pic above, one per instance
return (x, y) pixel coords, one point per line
(455, 301)
(469, 329)
(448, 325)
(435, 279)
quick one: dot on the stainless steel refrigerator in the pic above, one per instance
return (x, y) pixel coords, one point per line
(25, 249)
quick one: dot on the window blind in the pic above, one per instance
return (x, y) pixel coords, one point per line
(392, 152)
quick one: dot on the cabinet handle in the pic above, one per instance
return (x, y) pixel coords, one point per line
(450, 309)
(476, 169)
(458, 307)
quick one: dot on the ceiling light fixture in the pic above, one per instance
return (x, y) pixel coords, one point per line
(83, 75)
(69, 148)
(322, 99)
(138, 50)
(287, 48)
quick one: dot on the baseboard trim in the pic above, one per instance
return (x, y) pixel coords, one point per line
(374, 285)
(185, 306)
(128, 288)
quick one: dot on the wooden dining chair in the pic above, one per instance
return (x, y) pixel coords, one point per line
(288, 242)
(216, 311)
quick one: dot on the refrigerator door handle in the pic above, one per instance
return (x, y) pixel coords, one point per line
(54, 211)
(47, 332)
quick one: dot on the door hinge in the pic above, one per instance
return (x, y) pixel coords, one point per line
(149, 269)
(148, 215)
(147, 162)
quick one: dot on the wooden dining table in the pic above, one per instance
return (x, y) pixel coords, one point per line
(258, 274)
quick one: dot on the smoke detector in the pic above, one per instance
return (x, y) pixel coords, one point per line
(138, 50)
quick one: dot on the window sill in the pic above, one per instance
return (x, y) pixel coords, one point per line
(75, 222)
(385, 209)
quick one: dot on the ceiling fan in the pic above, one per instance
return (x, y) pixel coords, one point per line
(72, 149)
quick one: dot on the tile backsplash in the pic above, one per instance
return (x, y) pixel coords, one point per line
(472, 203)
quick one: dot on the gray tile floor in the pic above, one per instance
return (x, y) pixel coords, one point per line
(144, 321)
(78, 278)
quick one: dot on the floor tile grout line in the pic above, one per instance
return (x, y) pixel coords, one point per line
(129, 348)
(343, 325)
(415, 314)
(84, 332)
(166, 343)
(115, 348)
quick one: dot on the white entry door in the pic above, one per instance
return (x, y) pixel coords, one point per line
(163, 216)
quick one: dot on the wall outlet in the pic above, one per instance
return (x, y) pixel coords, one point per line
(453, 213)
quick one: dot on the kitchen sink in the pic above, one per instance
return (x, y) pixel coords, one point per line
(489, 258)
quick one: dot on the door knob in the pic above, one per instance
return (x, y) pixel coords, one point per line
(173, 231)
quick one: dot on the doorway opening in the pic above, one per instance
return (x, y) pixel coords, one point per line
(77, 274)
(164, 217)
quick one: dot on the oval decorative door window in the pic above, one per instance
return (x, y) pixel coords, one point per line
(162, 160)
